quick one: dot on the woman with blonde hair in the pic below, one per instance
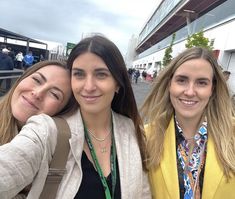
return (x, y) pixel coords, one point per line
(44, 88)
(191, 130)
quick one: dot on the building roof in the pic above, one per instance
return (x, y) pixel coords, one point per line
(12, 35)
(177, 21)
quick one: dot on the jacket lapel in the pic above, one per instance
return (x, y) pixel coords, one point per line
(122, 147)
(77, 132)
(168, 162)
(213, 172)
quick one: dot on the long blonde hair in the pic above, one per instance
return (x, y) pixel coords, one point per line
(8, 123)
(157, 111)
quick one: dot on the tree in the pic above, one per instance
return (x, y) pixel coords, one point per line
(167, 56)
(198, 39)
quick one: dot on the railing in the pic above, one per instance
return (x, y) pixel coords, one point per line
(11, 75)
(14, 71)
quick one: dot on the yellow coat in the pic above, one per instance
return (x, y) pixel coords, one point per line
(164, 180)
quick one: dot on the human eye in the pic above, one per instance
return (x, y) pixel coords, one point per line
(181, 80)
(78, 74)
(101, 75)
(36, 79)
(55, 94)
(202, 83)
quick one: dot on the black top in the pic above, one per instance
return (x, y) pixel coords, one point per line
(91, 186)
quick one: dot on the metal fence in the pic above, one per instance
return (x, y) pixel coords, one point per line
(7, 78)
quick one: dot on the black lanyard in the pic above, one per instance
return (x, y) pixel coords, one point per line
(97, 165)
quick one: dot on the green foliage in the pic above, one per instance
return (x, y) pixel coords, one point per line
(198, 39)
(167, 56)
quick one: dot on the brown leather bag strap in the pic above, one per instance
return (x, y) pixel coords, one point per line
(62, 147)
(59, 160)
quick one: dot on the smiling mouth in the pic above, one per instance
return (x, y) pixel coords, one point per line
(30, 103)
(188, 102)
(90, 98)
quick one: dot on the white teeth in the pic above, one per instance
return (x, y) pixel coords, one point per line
(188, 102)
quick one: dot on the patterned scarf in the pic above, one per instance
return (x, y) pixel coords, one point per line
(192, 161)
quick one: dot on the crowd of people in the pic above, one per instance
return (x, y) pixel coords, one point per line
(19, 60)
(9, 61)
(180, 145)
(134, 75)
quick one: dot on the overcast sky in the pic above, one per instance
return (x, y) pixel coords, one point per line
(68, 20)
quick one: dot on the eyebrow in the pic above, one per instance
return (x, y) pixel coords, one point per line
(181, 76)
(77, 69)
(42, 76)
(45, 80)
(186, 77)
(102, 69)
(97, 69)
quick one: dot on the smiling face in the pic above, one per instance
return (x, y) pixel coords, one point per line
(92, 83)
(45, 91)
(190, 89)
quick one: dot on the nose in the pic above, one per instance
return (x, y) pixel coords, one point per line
(89, 84)
(38, 93)
(189, 90)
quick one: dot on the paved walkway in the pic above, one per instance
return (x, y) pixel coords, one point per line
(141, 91)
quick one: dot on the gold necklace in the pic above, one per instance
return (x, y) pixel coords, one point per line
(103, 146)
(99, 139)
(103, 149)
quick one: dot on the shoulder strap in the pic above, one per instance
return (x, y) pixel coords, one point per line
(59, 160)
(62, 147)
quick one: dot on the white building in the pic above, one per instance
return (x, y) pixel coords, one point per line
(185, 17)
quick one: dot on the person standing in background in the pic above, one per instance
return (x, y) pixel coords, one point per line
(28, 60)
(6, 63)
(144, 74)
(11, 53)
(19, 60)
(41, 58)
(136, 76)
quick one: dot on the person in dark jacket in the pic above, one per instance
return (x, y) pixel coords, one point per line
(6, 63)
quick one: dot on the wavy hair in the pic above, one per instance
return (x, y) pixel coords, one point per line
(123, 101)
(8, 123)
(157, 111)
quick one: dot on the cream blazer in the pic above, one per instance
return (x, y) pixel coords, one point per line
(164, 180)
(26, 158)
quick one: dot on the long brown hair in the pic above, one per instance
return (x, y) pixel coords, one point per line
(157, 110)
(123, 101)
(8, 123)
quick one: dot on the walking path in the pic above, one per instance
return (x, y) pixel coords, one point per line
(141, 91)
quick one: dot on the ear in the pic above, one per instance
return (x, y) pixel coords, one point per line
(117, 89)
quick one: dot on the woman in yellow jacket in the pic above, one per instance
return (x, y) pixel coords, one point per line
(191, 130)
